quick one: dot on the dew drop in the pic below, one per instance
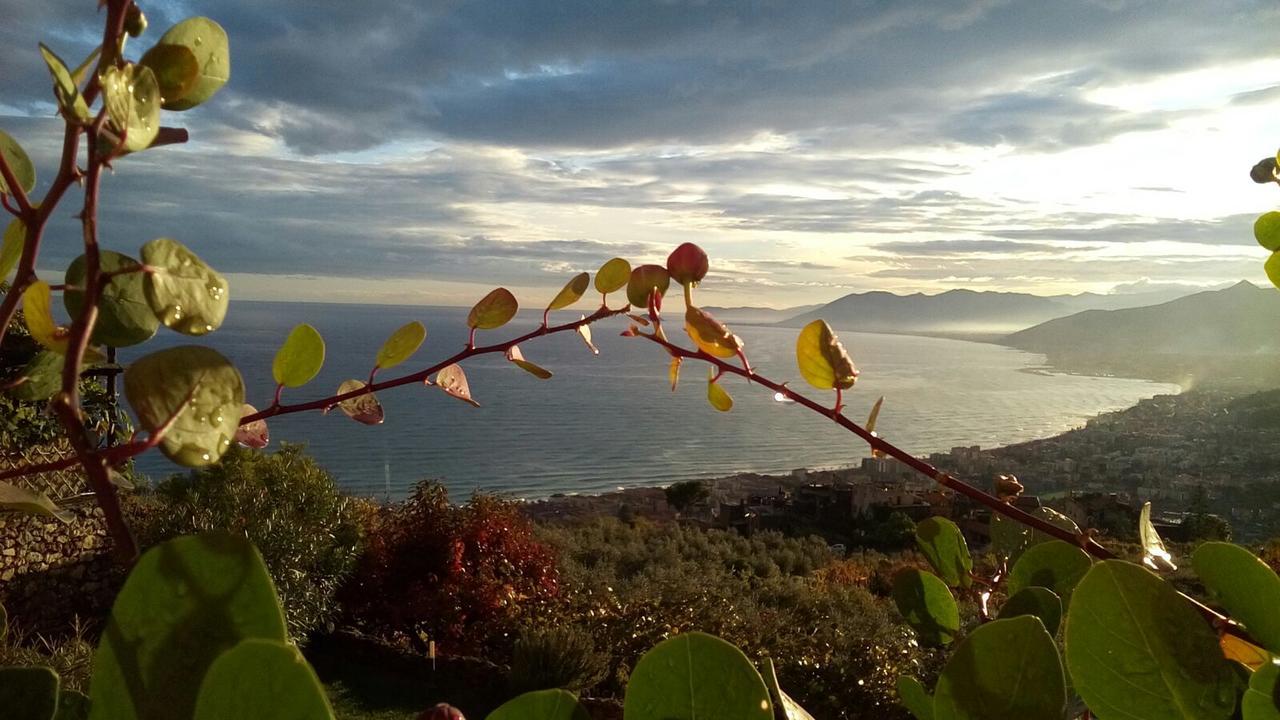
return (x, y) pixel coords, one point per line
(198, 41)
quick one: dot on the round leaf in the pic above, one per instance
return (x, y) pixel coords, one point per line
(185, 602)
(43, 377)
(644, 280)
(23, 171)
(176, 69)
(132, 98)
(28, 693)
(571, 292)
(1262, 700)
(493, 311)
(1004, 670)
(718, 397)
(1053, 565)
(927, 606)
(612, 275)
(37, 309)
(541, 705)
(516, 357)
(15, 236)
(1037, 601)
(823, 361)
(1266, 230)
(1246, 587)
(453, 381)
(364, 409)
(255, 434)
(944, 547)
(64, 88)
(300, 358)
(694, 676)
(187, 295)
(207, 41)
(264, 680)
(1136, 649)
(1010, 537)
(1272, 268)
(402, 344)
(915, 698)
(124, 315)
(197, 386)
(709, 334)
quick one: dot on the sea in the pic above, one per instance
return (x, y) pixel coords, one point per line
(610, 421)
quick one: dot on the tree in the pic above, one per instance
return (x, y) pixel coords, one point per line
(683, 495)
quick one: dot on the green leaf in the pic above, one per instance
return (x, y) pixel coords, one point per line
(694, 676)
(1246, 587)
(612, 275)
(915, 698)
(791, 709)
(263, 679)
(541, 705)
(943, 545)
(186, 602)
(23, 171)
(207, 41)
(197, 386)
(1266, 230)
(82, 70)
(300, 358)
(64, 88)
(186, 294)
(124, 316)
(571, 292)
(718, 396)
(516, 357)
(20, 499)
(1154, 553)
(132, 98)
(1010, 537)
(364, 409)
(15, 238)
(1136, 649)
(1036, 601)
(1004, 670)
(493, 311)
(823, 361)
(1054, 565)
(44, 377)
(37, 310)
(1262, 700)
(644, 280)
(927, 605)
(72, 706)
(1272, 268)
(176, 69)
(28, 693)
(402, 344)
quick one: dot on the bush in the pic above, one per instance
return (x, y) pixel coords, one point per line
(458, 575)
(71, 656)
(555, 657)
(309, 534)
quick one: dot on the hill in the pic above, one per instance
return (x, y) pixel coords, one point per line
(757, 315)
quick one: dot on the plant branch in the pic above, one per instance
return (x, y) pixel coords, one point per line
(15, 188)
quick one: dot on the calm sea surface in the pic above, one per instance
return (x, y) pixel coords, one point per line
(611, 420)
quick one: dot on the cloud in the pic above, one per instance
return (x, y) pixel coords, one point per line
(944, 248)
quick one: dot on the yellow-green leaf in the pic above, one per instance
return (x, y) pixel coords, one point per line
(1272, 268)
(207, 41)
(21, 499)
(517, 358)
(717, 396)
(453, 381)
(673, 371)
(64, 88)
(132, 97)
(78, 75)
(198, 388)
(613, 275)
(186, 294)
(643, 281)
(300, 358)
(23, 171)
(402, 344)
(176, 68)
(15, 237)
(823, 361)
(37, 307)
(494, 310)
(1154, 553)
(709, 334)
(571, 292)
(1266, 230)
(364, 408)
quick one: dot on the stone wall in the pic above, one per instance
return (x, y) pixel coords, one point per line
(51, 572)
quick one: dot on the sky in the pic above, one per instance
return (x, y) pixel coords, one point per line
(423, 152)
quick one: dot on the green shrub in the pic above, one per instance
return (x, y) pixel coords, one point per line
(555, 657)
(71, 656)
(309, 534)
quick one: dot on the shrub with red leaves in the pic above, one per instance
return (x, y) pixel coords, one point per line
(453, 574)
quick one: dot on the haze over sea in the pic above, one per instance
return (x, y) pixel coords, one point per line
(608, 421)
